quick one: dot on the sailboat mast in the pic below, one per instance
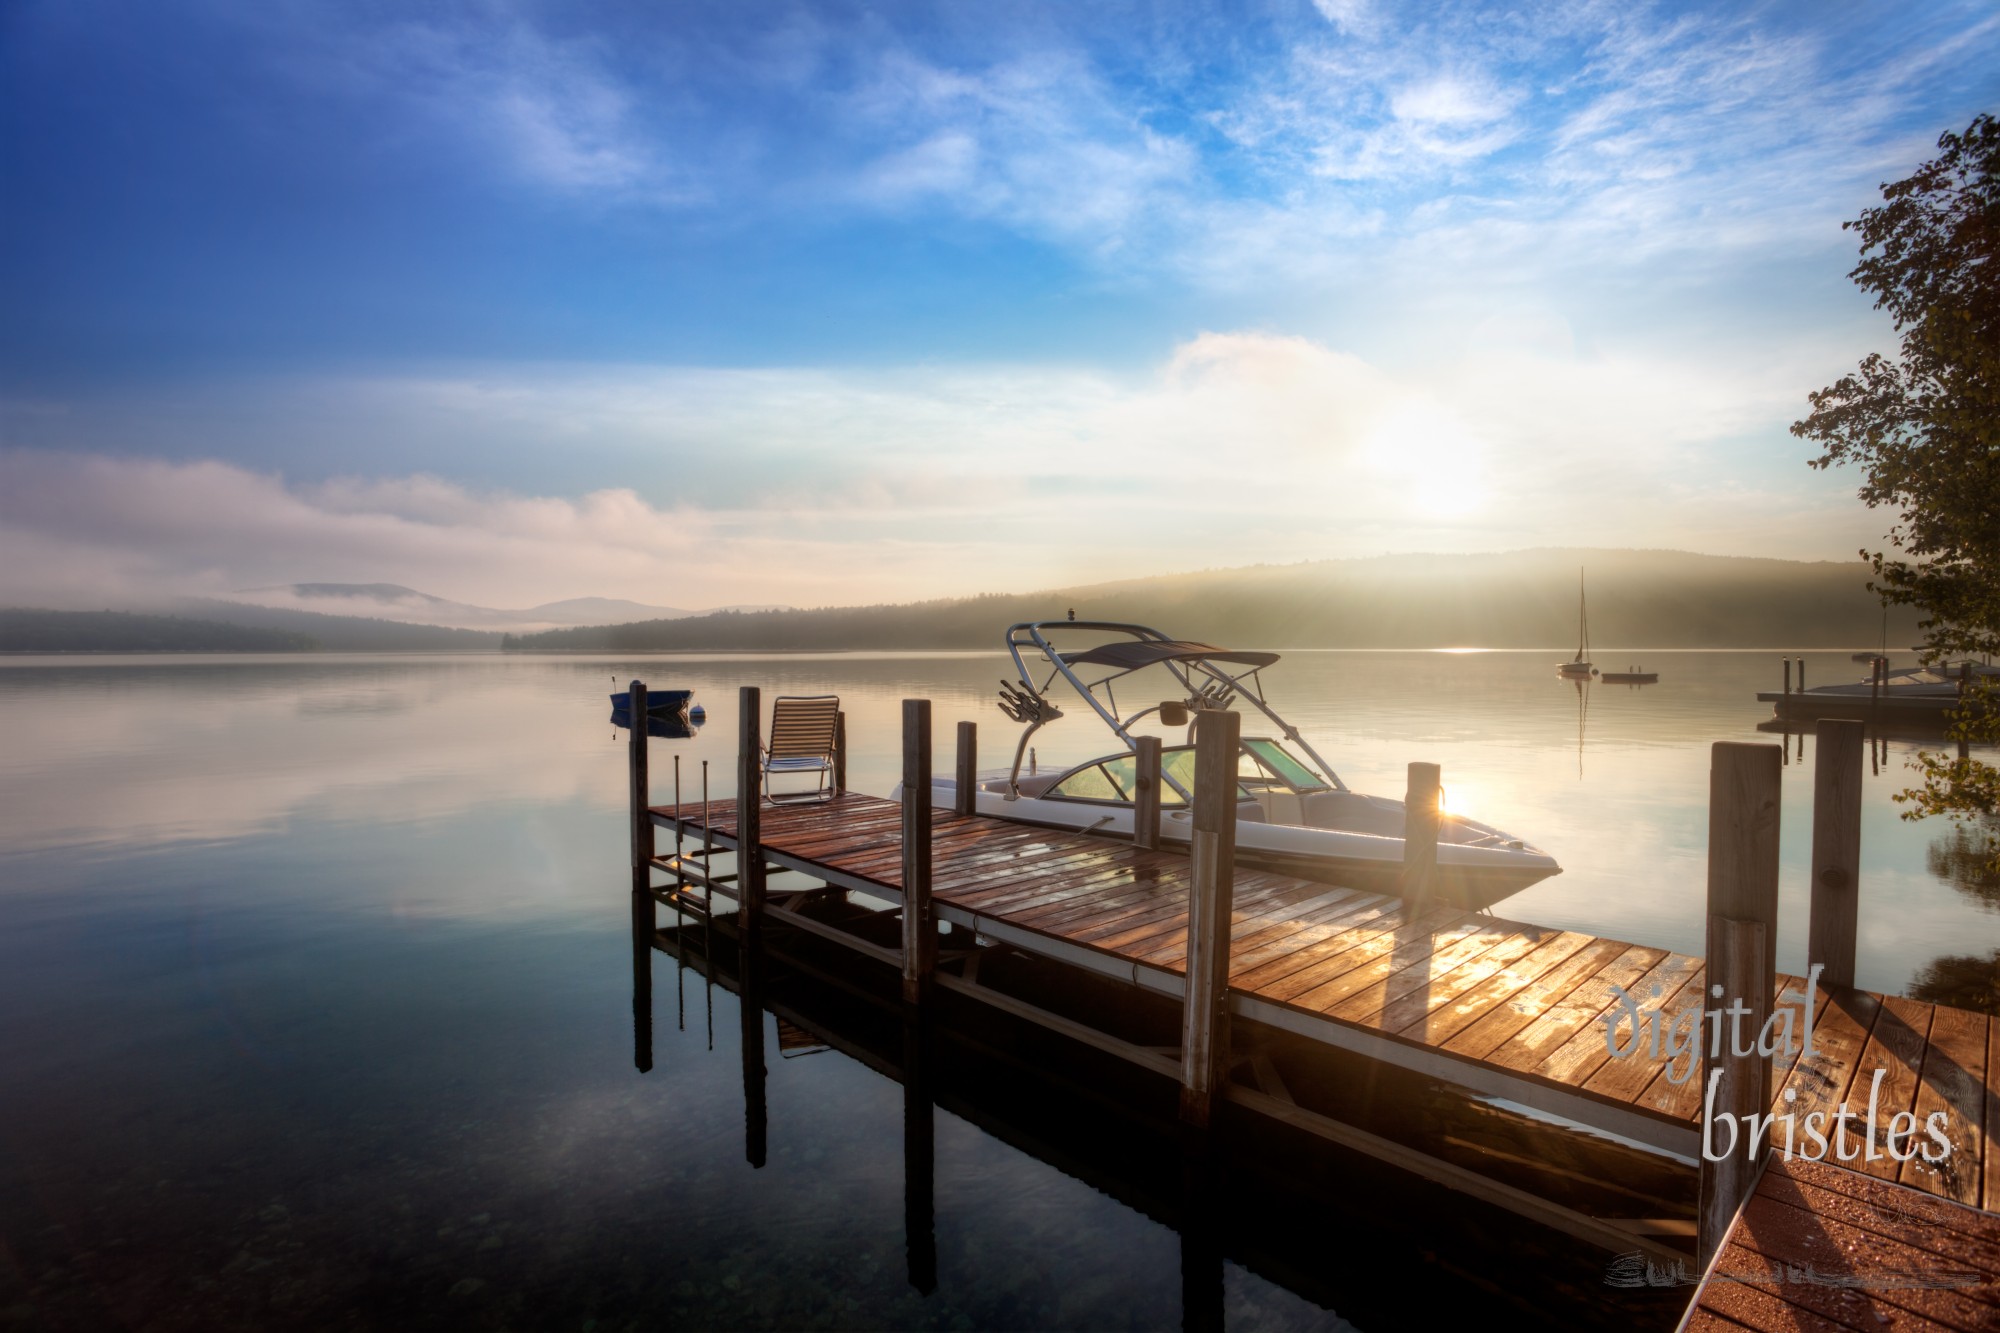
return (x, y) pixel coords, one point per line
(1582, 622)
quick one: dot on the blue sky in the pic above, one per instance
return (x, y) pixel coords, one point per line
(830, 303)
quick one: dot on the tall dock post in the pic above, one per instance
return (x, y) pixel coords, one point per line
(919, 926)
(1836, 851)
(645, 918)
(642, 819)
(1212, 848)
(840, 751)
(966, 798)
(1146, 802)
(1420, 836)
(750, 917)
(919, 968)
(749, 818)
(1743, 804)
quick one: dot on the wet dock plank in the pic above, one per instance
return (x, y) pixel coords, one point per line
(1820, 1247)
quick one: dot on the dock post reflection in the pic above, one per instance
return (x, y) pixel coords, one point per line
(643, 929)
(919, 1154)
(1201, 1237)
(750, 996)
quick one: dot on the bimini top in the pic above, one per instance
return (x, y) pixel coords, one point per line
(1210, 678)
(1134, 654)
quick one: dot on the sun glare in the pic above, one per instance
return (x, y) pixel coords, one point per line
(1429, 454)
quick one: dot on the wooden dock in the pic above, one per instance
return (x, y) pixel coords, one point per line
(1516, 1017)
(1503, 1008)
(1817, 1247)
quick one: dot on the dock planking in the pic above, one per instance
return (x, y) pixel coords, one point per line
(1520, 998)
(1818, 1247)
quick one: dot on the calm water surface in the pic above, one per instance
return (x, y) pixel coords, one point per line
(315, 987)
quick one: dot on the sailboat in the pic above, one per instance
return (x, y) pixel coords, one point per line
(1579, 667)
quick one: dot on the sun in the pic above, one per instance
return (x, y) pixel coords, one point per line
(1428, 454)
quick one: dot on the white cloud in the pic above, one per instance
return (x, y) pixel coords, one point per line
(815, 487)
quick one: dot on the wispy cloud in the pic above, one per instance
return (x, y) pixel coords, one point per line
(1616, 132)
(554, 112)
(1042, 143)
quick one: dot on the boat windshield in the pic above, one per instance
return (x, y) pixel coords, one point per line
(1116, 779)
(1271, 757)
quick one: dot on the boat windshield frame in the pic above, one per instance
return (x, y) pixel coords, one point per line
(1212, 677)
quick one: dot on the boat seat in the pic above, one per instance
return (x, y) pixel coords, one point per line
(1351, 812)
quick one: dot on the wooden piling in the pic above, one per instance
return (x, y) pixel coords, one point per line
(642, 821)
(1740, 1079)
(1212, 848)
(1420, 834)
(750, 916)
(966, 796)
(1146, 797)
(1742, 928)
(1802, 675)
(1788, 675)
(1836, 851)
(749, 820)
(840, 751)
(1743, 801)
(645, 912)
(919, 924)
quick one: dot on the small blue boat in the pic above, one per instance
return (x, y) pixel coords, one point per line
(669, 702)
(664, 726)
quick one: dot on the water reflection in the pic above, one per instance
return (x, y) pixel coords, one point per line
(1965, 859)
(1582, 717)
(1371, 1248)
(1963, 982)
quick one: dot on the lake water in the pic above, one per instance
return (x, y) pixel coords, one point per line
(315, 987)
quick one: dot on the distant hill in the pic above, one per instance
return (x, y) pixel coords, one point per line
(27, 631)
(354, 634)
(393, 601)
(1518, 599)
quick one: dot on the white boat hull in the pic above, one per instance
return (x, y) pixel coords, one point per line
(1469, 874)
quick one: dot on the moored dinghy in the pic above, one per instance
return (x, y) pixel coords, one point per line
(1294, 814)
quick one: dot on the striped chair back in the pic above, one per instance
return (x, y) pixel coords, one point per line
(803, 726)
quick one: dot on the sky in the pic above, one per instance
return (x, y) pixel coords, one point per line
(823, 304)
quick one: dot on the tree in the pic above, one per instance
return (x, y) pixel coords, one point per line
(1925, 428)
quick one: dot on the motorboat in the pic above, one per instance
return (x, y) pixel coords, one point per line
(1294, 814)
